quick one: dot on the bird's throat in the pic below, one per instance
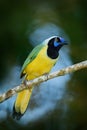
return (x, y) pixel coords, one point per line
(53, 54)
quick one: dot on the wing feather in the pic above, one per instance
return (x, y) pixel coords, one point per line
(31, 57)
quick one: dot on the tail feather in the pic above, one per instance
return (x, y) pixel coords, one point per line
(21, 103)
(15, 114)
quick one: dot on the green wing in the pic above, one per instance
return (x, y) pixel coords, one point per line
(31, 57)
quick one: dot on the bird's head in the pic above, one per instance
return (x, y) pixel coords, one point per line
(54, 45)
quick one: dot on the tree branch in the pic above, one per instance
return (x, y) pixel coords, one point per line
(30, 83)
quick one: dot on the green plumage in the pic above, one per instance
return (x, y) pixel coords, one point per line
(31, 57)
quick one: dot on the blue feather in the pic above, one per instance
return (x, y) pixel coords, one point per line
(62, 40)
(56, 43)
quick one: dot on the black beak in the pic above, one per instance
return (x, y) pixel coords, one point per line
(64, 43)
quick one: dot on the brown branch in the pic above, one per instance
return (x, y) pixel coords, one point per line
(30, 83)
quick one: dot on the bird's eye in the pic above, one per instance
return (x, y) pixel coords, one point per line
(58, 39)
(56, 43)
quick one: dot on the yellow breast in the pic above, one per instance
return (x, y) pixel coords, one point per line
(40, 65)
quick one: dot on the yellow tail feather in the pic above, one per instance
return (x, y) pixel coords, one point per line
(21, 102)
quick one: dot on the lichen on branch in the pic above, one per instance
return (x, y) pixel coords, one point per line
(30, 83)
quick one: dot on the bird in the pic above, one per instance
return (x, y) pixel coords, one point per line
(39, 62)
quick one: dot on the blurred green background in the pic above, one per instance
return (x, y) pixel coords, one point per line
(18, 20)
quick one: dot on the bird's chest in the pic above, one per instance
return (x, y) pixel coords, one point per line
(40, 65)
